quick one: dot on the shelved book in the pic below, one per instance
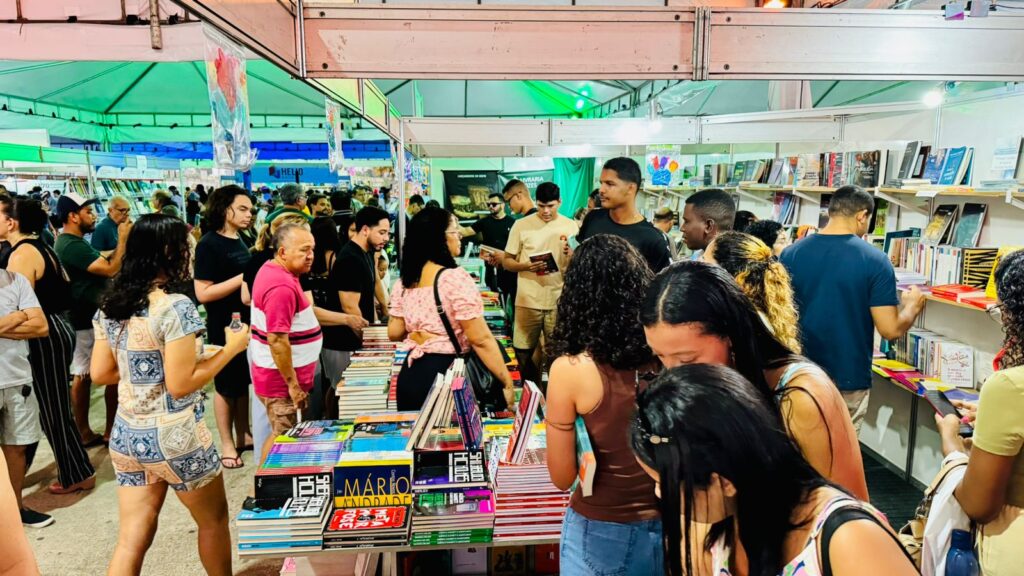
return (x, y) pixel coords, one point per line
(452, 516)
(367, 527)
(939, 226)
(276, 526)
(937, 356)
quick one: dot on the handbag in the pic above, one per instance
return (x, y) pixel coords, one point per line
(320, 286)
(911, 535)
(486, 387)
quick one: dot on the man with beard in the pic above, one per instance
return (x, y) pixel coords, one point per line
(88, 272)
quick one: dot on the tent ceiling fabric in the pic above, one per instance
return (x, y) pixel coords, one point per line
(151, 87)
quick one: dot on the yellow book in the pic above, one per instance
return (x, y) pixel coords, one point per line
(990, 289)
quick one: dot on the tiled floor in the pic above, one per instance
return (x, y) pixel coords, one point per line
(890, 493)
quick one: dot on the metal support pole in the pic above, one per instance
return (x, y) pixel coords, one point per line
(400, 179)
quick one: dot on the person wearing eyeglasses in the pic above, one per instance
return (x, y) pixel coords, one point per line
(104, 237)
(293, 199)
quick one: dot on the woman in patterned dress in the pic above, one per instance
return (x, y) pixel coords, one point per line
(149, 342)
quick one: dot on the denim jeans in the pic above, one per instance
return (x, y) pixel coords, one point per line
(595, 548)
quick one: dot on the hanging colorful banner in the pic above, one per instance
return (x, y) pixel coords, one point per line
(229, 102)
(335, 135)
(662, 163)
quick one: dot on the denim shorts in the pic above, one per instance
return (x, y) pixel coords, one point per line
(595, 548)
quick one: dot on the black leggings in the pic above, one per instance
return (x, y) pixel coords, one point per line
(414, 381)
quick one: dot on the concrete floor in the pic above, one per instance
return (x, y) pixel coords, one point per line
(81, 540)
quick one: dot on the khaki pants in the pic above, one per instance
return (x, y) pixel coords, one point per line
(530, 323)
(857, 404)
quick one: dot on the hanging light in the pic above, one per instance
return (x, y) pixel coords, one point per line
(776, 4)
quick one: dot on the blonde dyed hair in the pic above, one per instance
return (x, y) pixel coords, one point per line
(266, 238)
(764, 280)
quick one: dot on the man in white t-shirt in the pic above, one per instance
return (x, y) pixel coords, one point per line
(21, 318)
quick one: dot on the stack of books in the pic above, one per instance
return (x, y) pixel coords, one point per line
(529, 506)
(452, 502)
(276, 526)
(366, 384)
(373, 479)
(298, 469)
(936, 356)
(367, 528)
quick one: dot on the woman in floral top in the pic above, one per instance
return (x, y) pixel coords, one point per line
(149, 342)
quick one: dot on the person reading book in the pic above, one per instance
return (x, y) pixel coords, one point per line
(845, 289)
(762, 278)
(696, 313)
(432, 242)
(736, 496)
(150, 340)
(537, 294)
(598, 362)
(992, 490)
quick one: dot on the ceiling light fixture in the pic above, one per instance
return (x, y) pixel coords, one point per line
(933, 98)
(775, 4)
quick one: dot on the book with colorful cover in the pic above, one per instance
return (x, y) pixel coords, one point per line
(382, 520)
(990, 288)
(283, 483)
(934, 164)
(951, 166)
(454, 502)
(941, 223)
(468, 412)
(968, 228)
(586, 463)
(373, 479)
(287, 511)
(316, 431)
(449, 469)
(525, 414)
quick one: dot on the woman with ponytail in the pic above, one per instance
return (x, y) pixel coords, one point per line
(764, 280)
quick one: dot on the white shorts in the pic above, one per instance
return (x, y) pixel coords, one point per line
(84, 341)
(19, 417)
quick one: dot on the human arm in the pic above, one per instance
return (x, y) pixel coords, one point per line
(998, 440)
(108, 266)
(849, 543)
(350, 304)
(892, 322)
(247, 295)
(379, 293)
(560, 423)
(510, 257)
(512, 265)
(24, 324)
(15, 552)
(185, 374)
(281, 351)
(396, 328)
(27, 262)
(207, 291)
(486, 347)
(208, 265)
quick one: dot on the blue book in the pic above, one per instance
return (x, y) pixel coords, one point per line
(468, 413)
(951, 166)
(933, 166)
(383, 443)
(283, 545)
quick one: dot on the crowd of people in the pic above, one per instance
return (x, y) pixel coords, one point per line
(741, 372)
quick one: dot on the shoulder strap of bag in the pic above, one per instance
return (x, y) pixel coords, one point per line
(444, 317)
(840, 517)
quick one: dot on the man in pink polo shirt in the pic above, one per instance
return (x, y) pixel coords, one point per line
(286, 336)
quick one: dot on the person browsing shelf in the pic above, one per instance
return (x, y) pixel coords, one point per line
(428, 265)
(992, 490)
(618, 216)
(845, 289)
(735, 495)
(537, 251)
(694, 313)
(221, 257)
(286, 337)
(763, 279)
(706, 214)
(598, 362)
(104, 237)
(149, 339)
(21, 222)
(88, 272)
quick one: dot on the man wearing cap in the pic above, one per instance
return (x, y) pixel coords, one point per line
(294, 200)
(88, 271)
(664, 220)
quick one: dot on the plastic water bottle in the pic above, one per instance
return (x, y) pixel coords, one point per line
(960, 560)
(236, 321)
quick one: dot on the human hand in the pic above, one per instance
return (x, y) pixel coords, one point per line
(299, 398)
(123, 228)
(236, 341)
(913, 299)
(969, 411)
(537, 267)
(355, 322)
(949, 431)
(510, 396)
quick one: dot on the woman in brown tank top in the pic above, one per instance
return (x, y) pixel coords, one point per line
(600, 356)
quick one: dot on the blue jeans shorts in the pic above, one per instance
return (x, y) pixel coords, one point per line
(595, 548)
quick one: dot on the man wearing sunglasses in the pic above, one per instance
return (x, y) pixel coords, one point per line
(492, 232)
(104, 237)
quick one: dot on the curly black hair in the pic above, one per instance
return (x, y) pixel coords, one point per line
(156, 244)
(1010, 289)
(426, 240)
(599, 310)
(765, 230)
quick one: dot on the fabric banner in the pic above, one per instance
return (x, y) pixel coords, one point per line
(575, 177)
(662, 163)
(532, 179)
(466, 191)
(335, 136)
(229, 101)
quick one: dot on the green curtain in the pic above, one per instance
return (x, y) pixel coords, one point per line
(575, 177)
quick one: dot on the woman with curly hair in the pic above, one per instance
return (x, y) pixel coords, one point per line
(599, 357)
(771, 233)
(992, 490)
(763, 278)
(429, 273)
(149, 342)
(696, 313)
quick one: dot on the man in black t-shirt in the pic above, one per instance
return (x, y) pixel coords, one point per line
(354, 276)
(618, 216)
(493, 231)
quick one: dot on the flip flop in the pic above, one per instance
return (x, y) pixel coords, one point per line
(237, 461)
(97, 440)
(246, 448)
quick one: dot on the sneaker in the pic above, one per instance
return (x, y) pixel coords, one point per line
(34, 519)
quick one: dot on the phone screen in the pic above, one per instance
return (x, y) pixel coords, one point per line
(573, 242)
(941, 404)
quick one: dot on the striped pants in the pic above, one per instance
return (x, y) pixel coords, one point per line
(50, 358)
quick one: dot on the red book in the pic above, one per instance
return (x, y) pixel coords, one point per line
(356, 519)
(951, 291)
(980, 302)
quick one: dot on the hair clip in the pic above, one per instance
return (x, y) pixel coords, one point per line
(647, 436)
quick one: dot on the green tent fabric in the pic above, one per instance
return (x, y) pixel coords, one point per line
(575, 176)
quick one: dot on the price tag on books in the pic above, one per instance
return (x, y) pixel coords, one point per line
(927, 193)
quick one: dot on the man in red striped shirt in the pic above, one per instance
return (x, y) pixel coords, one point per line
(286, 337)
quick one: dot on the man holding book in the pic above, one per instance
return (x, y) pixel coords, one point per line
(845, 288)
(537, 252)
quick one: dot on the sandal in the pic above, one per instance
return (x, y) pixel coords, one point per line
(246, 448)
(236, 462)
(96, 440)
